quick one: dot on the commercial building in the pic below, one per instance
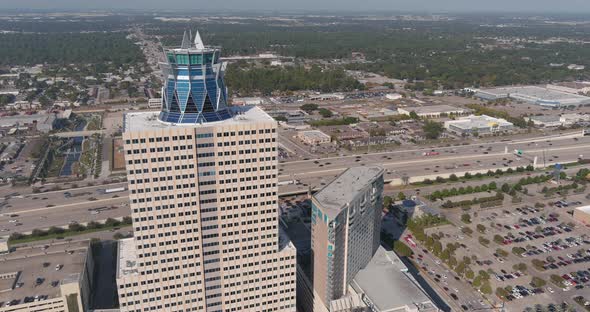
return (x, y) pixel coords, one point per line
(50, 278)
(313, 137)
(42, 122)
(248, 101)
(345, 231)
(385, 284)
(534, 95)
(577, 87)
(582, 214)
(478, 124)
(203, 198)
(545, 121)
(11, 151)
(434, 111)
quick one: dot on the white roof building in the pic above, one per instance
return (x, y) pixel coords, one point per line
(481, 124)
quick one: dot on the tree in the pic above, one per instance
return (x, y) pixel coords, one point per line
(414, 116)
(520, 267)
(432, 129)
(76, 227)
(502, 253)
(38, 233)
(55, 230)
(402, 249)
(505, 188)
(453, 177)
(309, 107)
(326, 113)
(486, 288)
(401, 196)
(466, 218)
(387, 200)
(502, 293)
(538, 282)
(481, 228)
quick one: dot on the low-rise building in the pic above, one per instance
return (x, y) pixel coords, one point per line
(570, 119)
(434, 111)
(50, 278)
(582, 214)
(478, 124)
(344, 132)
(393, 96)
(11, 152)
(544, 121)
(385, 275)
(43, 122)
(248, 101)
(313, 137)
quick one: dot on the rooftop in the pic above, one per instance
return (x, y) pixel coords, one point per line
(478, 122)
(435, 109)
(26, 264)
(336, 195)
(585, 209)
(386, 275)
(149, 120)
(534, 92)
(127, 261)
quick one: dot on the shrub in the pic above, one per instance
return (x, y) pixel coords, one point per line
(538, 282)
(402, 249)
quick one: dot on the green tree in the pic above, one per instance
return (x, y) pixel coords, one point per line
(466, 218)
(309, 107)
(402, 249)
(432, 129)
(326, 113)
(401, 196)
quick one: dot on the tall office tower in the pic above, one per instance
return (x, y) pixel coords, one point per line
(202, 180)
(345, 231)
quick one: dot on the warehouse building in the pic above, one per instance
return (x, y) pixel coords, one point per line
(481, 125)
(535, 95)
(434, 111)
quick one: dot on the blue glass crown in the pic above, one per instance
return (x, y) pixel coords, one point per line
(194, 90)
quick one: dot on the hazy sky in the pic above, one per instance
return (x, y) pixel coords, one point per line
(576, 6)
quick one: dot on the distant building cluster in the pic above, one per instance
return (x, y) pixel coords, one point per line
(543, 96)
(481, 125)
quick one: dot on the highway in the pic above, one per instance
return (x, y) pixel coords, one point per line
(54, 209)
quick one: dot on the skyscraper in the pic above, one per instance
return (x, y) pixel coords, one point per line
(202, 180)
(346, 227)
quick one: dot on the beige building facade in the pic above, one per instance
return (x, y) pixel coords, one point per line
(203, 199)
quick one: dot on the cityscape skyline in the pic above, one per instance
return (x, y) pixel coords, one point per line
(500, 6)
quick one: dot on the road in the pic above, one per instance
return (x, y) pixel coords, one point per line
(34, 210)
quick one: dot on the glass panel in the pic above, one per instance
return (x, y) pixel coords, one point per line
(196, 59)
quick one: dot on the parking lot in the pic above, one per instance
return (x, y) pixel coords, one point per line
(534, 252)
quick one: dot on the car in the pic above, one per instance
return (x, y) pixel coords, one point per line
(13, 221)
(454, 296)
(464, 307)
(59, 267)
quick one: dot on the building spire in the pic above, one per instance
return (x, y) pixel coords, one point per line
(185, 41)
(198, 41)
